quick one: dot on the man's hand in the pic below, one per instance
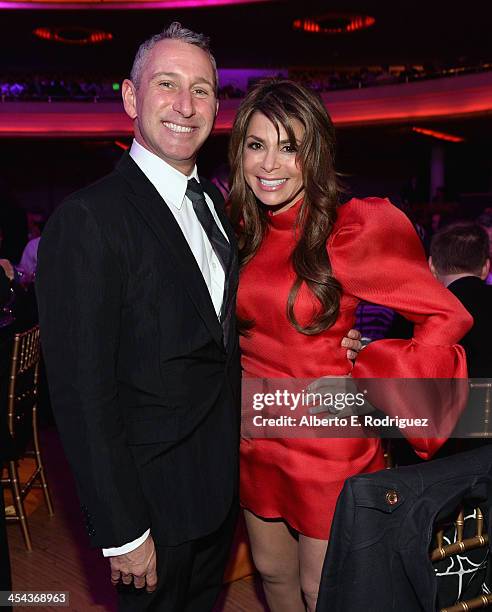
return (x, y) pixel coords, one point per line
(138, 565)
(333, 386)
(8, 268)
(352, 343)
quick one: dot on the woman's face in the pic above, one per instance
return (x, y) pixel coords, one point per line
(269, 163)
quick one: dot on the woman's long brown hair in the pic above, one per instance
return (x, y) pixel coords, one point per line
(282, 102)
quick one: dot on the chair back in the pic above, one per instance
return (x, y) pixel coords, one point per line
(22, 392)
(461, 555)
(461, 561)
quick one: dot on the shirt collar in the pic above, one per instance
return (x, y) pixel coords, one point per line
(169, 182)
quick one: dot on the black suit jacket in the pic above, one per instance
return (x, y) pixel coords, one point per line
(144, 388)
(476, 297)
(378, 554)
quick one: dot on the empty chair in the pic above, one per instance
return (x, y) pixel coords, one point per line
(22, 424)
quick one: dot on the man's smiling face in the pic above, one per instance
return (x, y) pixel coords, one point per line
(174, 106)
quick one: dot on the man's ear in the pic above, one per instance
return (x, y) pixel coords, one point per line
(485, 269)
(129, 95)
(432, 268)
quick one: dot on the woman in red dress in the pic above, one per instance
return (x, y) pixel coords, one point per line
(306, 263)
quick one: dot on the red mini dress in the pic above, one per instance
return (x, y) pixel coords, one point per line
(376, 256)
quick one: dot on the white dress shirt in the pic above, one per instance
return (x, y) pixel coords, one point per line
(171, 185)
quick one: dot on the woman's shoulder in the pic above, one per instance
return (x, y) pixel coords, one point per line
(372, 214)
(362, 210)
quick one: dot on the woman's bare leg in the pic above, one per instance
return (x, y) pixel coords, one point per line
(311, 556)
(275, 553)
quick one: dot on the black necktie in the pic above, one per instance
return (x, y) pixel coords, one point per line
(219, 242)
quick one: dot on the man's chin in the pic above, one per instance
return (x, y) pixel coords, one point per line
(184, 160)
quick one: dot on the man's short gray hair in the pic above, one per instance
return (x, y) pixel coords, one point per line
(173, 32)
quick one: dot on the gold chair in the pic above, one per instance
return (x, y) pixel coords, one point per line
(460, 546)
(22, 424)
(479, 426)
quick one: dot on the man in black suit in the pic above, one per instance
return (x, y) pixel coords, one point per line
(459, 259)
(136, 284)
(136, 305)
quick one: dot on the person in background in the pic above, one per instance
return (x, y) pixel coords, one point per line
(25, 305)
(306, 262)
(7, 296)
(29, 261)
(460, 260)
(373, 321)
(485, 220)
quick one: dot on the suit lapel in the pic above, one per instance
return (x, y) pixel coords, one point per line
(161, 221)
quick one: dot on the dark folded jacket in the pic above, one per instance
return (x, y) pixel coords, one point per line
(378, 555)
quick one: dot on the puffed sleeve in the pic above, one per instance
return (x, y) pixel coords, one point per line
(378, 257)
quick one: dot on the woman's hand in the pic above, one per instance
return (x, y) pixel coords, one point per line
(352, 343)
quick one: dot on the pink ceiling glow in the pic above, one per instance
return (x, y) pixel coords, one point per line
(117, 4)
